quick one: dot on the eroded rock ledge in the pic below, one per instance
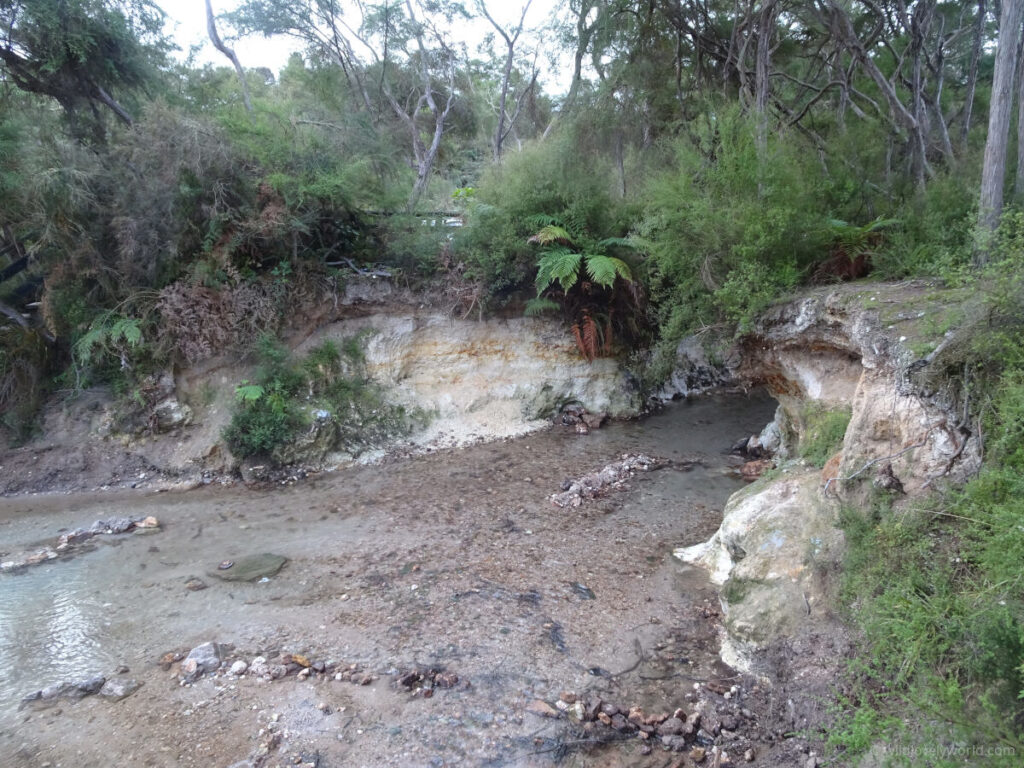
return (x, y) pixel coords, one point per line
(780, 540)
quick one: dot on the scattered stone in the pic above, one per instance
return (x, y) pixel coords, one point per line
(541, 709)
(749, 755)
(671, 727)
(252, 567)
(148, 522)
(568, 697)
(697, 754)
(194, 584)
(201, 660)
(119, 689)
(674, 743)
(239, 668)
(258, 667)
(224, 565)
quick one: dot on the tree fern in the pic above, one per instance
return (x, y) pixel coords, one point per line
(604, 269)
(558, 265)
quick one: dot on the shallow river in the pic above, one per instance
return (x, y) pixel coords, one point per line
(455, 559)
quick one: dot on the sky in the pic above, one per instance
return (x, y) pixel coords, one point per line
(187, 25)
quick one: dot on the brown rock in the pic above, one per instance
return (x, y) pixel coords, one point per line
(754, 469)
(567, 697)
(697, 754)
(541, 709)
(604, 718)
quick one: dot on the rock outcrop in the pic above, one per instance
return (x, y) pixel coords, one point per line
(780, 537)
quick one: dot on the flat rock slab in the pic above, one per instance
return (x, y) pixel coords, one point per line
(251, 568)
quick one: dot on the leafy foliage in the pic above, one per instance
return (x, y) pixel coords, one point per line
(327, 391)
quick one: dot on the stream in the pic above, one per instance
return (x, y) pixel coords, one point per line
(455, 559)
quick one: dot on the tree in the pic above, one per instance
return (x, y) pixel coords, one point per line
(393, 54)
(993, 170)
(211, 28)
(83, 53)
(511, 37)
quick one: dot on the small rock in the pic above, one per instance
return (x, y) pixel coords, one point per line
(277, 671)
(88, 687)
(446, 680)
(239, 668)
(567, 697)
(119, 689)
(203, 659)
(621, 724)
(148, 522)
(674, 743)
(604, 718)
(812, 762)
(195, 585)
(541, 709)
(749, 755)
(697, 754)
(671, 727)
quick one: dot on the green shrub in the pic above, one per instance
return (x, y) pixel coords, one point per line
(823, 433)
(329, 386)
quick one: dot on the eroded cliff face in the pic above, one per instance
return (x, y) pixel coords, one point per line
(481, 379)
(779, 540)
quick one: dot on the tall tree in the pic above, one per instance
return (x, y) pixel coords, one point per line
(511, 37)
(993, 170)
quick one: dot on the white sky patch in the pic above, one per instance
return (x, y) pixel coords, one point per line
(186, 22)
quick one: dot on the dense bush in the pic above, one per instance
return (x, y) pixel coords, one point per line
(326, 394)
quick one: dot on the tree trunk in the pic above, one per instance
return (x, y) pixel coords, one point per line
(972, 75)
(762, 73)
(211, 28)
(993, 171)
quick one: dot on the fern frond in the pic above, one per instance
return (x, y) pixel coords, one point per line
(558, 265)
(632, 243)
(540, 305)
(539, 220)
(604, 269)
(551, 234)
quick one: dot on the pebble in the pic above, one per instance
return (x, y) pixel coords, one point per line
(541, 709)
(239, 668)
